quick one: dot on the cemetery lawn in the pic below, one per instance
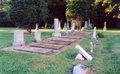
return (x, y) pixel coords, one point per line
(106, 54)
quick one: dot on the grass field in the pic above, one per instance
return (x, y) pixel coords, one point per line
(105, 57)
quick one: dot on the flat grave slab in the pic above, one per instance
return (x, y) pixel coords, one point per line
(56, 42)
(63, 40)
(42, 51)
(71, 37)
(49, 46)
(34, 50)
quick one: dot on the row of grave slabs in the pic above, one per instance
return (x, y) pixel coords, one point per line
(50, 46)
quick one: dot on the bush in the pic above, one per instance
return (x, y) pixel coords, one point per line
(6, 23)
(100, 35)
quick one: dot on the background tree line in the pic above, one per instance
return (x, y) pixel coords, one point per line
(26, 13)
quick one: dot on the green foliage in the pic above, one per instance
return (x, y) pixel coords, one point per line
(100, 35)
(80, 8)
(28, 13)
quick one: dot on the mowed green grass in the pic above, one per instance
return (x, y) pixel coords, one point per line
(105, 57)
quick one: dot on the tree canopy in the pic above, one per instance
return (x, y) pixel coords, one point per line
(28, 13)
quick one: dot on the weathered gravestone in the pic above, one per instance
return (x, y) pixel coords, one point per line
(38, 35)
(56, 29)
(83, 53)
(89, 24)
(45, 25)
(67, 24)
(80, 69)
(18, 38)
(94, 34)
(66, 32)
(82, 29)
(91, 47)
(59, 25)
(85, 25)
(73, 27)
(36, 27)
(104, 29)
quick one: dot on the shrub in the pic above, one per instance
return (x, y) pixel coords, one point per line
(100, 35)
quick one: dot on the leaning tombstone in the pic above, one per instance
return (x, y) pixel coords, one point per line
(94, 34)
(38, 35)
(18, 38)
(95, 42)
(104, 29)
(83, 53)
(80, 69)
(56, 29)
(91, 47)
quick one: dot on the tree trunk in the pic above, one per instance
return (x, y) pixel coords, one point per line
(29, 30)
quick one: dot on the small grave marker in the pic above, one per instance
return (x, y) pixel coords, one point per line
(38, 35)
(94, 34)
(91, 47)
(66, 32)
(104, 29)
(73, 27)
(96, 42)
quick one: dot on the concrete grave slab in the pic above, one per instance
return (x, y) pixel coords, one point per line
(49, 46)
(63, 40)
(71, 37)
(34, 50)
(57, 42)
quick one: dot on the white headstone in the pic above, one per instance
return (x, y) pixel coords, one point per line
(18, 38)
(67, 24)
(45, 25)
(94, 34)
(82, 29)
(91, 47)
(80, 69)
(66, 32)
(79, 57)
(85, 26)
(38, 35)
(83, 52)
(37, 26)
(56, 29)
(73, 27)
(59, 25)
